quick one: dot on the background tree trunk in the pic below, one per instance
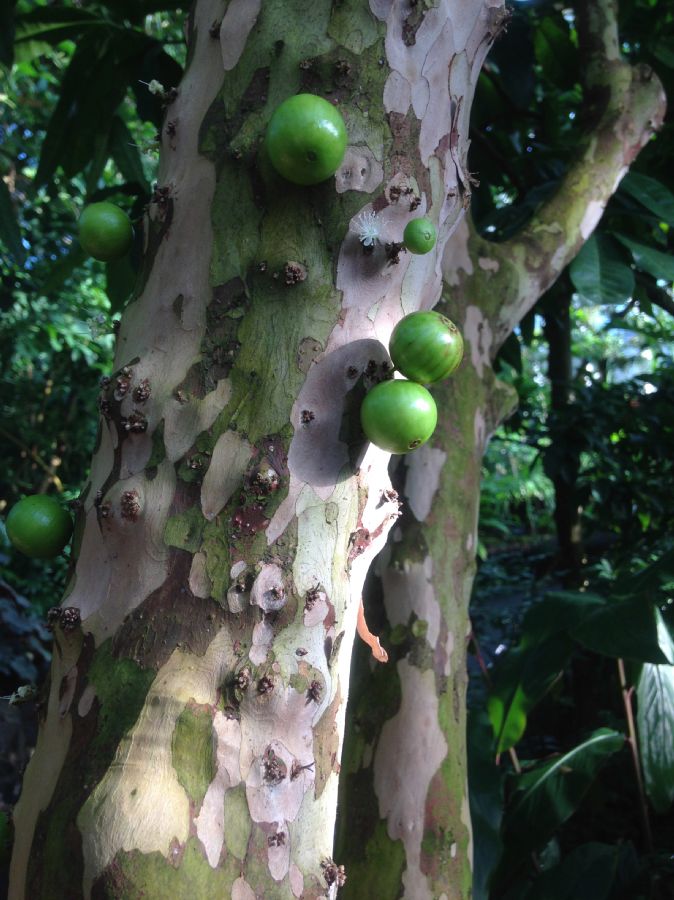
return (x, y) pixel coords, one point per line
(406, 783)
(192, 728)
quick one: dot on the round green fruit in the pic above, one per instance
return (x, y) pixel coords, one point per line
(105, 231)
(306, 139)
(39, 526)
(398, 416)
(419, 236)
(426, 346)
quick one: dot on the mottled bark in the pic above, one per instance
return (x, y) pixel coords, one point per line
(414, 821)
(191, 735)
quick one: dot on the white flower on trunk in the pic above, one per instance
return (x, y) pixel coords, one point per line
(368, 228)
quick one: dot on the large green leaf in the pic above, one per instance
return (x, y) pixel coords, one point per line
(655, 723)
(62, 269)
(560, 611)
(10, 234)
(555, 53)
(521, 679)
(120, 281)
(93, 87)
(486, 802)
(55, 24)
(651, 193)
(7, 26)
(655, 262)
(545, 797)
(624, 628)
(599, 274)
(40, 29)
(587, 873)
(125, 153)
(649, 580)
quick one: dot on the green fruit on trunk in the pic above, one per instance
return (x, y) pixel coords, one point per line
(398, 415)
(419, 236)
(39, 526)
(426, 346)
(105, 231)
(306, 139)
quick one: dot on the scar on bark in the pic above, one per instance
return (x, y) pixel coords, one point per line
(370, 639)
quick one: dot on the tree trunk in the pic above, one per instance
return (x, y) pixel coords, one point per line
(564, 461)
(191, 732)
(403, 799)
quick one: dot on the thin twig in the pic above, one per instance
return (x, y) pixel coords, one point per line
(634, 747)
(58, 484)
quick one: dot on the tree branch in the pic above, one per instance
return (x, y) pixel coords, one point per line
(627, 103)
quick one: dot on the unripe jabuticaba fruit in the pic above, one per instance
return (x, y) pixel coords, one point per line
(39, 526)
(426, 346)
(306, 139)
(105, 231)
(419, 236)
(398, 415)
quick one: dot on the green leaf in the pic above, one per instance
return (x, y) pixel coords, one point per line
(623, 628)
(599, 274)
(655, 723)
(555, 53)
(651, 193)
(655, 262)
(121, 278)
(650, 579)
(548, 795)
(10, 233)
(51, 25)
(63, 269)
(520, 680)
(587, 873)
(663, 50)
(93, 87)
(486, 802)
(559, 611)
(7, 26)
(125, 154)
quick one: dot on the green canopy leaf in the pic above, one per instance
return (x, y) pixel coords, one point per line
(655, 262)
(651, 193)
(548, 795)
(599, 273)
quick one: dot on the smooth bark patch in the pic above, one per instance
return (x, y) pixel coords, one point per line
(193, 751)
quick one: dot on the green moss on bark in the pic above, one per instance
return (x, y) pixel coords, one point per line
(184, 530)
(193, 751)
(237, 822)
(121, 687)
(150, 876)
(380, 870)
